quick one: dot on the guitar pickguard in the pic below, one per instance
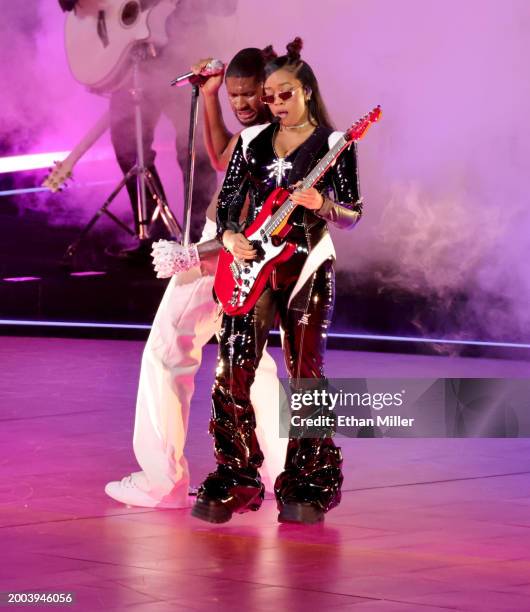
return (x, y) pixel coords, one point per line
(246, 273)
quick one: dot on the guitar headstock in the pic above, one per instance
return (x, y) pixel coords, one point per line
(360, 127)
(58, 176)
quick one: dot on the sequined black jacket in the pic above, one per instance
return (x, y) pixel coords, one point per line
(258, 171)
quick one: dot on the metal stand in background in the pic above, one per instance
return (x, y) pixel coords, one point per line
(190, 170)
(144, 179)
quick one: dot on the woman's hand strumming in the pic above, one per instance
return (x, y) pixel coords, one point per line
(238, 245)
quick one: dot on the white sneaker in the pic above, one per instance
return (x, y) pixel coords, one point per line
(127, 491)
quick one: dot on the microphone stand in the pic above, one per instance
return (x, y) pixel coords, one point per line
(195, 81)
(144, 179)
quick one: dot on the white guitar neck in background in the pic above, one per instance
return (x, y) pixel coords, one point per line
(63, 169)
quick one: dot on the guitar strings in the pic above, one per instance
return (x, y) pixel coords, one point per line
(287, 207)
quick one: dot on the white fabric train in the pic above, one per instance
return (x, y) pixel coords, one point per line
(186, 319)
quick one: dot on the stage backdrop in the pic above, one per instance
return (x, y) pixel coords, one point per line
(445, 237)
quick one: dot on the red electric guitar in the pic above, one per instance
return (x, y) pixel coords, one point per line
(239, 283)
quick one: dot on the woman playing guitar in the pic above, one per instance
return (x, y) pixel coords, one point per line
(268, 156)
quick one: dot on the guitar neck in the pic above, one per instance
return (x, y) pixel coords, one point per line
(63, 170)
(325, 163)
(311, 179)
(89, 139)
(353, 134)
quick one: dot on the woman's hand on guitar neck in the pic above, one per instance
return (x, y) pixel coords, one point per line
(238, 245)
(308, 198)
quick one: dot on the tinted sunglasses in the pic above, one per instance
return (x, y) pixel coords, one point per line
(283, 95)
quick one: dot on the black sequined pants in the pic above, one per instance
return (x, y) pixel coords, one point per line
(312, 471)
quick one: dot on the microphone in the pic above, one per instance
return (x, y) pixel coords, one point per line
(212, 68)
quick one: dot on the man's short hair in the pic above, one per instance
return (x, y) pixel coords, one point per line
(248, 62)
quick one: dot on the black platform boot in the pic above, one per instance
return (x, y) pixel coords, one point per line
(310, 484)
(235, 486)
(226, 491)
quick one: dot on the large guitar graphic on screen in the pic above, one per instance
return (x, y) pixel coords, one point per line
(100, 34)
(99, 38)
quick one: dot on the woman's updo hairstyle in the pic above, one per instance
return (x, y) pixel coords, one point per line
(293, 62)
(294, 49)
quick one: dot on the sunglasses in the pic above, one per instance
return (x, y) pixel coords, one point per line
(283, 95)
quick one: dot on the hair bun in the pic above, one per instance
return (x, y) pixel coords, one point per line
(269, 54)
(294, 49)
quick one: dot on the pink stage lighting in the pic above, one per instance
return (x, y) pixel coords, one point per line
(19, 163)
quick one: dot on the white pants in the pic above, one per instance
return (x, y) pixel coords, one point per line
(186, 319)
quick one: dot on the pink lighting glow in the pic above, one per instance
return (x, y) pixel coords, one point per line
(88, 273)
(19, 163)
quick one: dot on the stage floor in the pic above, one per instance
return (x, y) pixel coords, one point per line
(423, 525)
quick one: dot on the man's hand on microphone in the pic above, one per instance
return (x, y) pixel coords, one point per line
(212, 85)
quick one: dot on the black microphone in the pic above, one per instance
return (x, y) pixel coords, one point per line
(212, 68)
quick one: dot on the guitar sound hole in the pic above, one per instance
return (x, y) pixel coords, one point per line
(130, 13)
